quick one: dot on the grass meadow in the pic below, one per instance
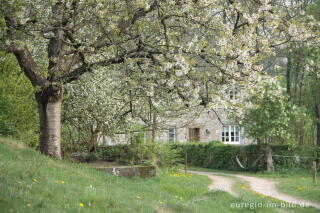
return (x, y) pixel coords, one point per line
(31, 182)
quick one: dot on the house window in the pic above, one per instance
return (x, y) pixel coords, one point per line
(230, 134)
(172, 135)
(233, 94)
(194, 134)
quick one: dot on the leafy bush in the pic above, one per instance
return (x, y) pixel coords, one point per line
(93, 156)
(168, 157)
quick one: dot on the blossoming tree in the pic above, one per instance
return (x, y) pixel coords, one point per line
(209, 43)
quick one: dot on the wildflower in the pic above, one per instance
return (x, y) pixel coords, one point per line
(90, 188)
(138, 197)
(161, 202)
(34, 180)
(81, 204)
(29, 204)
(56, 181)
(62, 182)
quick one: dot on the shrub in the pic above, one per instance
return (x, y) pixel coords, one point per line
(93, 156)
(168, 157)
(220, 156)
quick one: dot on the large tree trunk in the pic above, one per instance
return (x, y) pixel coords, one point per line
(49, 102)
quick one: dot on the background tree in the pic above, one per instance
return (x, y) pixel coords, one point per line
(302, 78)
(121, 101)
(18, 111)
(270, 118)
(212, 42)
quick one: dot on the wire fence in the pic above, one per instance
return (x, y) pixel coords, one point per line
(297, 156)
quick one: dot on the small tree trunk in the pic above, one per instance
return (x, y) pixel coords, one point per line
(317, 108)
(92, 141)
(154, 127)
(49, 103)
(288, 77)
(269, 159)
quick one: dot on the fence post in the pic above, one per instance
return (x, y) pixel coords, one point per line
(185, 162)
(314, 171)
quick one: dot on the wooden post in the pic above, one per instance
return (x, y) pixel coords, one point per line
(314, 171)
(185, 162)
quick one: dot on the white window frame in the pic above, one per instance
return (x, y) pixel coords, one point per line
(233, 94)
(172, 132)
(226, 134)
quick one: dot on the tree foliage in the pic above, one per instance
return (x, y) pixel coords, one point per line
(271, 118)
(18, 112)
(189, 46)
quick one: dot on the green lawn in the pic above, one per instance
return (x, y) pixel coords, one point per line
(31, 182)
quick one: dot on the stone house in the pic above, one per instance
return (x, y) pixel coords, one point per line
(206, 126)
(210, 125)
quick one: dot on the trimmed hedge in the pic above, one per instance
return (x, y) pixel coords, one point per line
(216, 155)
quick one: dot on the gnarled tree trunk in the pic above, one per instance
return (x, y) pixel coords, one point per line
(49, 102)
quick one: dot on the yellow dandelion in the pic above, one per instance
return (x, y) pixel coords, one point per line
(81, 204)
(62, 182)
(34, 180)
(138, 197)
(161, 202)
(29, 204)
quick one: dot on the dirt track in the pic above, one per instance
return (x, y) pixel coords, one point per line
(260, 185)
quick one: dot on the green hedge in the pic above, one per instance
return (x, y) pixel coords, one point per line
(216, 155)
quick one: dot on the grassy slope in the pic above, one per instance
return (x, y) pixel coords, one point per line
(27, 177)
(30, 182)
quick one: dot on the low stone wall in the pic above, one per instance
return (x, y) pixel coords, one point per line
(130, 171)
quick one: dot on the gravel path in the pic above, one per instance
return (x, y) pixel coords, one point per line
(260, 185)
(219, 182)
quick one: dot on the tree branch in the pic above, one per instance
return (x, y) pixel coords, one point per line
(76, 73)
(27, 64)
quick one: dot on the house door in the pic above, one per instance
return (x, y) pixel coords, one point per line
(194, 134)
